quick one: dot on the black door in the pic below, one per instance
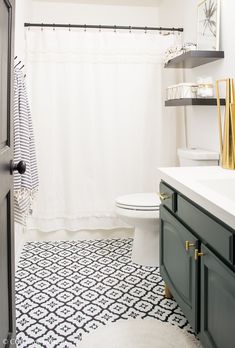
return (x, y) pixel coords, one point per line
(177, 265)
(217, 302)
(7, 315)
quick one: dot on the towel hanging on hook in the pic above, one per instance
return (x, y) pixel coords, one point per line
(19, 64)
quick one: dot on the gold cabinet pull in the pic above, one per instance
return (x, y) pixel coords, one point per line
(164, 196)
(188, 245)
(197, 254)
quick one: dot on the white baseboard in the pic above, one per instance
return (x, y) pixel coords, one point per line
(19, 242)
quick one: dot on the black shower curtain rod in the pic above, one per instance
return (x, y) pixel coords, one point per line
(91, 26)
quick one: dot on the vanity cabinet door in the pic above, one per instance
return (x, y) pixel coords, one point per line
(177, 265)
(217, 302)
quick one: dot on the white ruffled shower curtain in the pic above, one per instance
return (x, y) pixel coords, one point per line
(96, 102)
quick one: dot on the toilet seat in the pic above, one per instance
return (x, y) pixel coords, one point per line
(139, 201)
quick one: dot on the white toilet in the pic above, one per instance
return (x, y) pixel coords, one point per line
(197, 157)
(141, 210)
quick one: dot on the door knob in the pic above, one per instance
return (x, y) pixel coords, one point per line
(20, 167)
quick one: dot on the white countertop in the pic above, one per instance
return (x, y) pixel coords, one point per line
(213, 188)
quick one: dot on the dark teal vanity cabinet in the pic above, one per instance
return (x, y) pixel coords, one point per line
(197, 262)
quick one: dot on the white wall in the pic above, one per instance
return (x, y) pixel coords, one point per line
(123, 12)
(23, 11)
(202, 121)
(95, 12)
(110, 2)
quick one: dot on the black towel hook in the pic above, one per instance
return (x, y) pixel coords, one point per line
(17, 64)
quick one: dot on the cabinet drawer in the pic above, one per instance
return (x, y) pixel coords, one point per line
(168, 197)
(209, 230)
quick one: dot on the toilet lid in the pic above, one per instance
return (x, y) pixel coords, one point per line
(139, 200)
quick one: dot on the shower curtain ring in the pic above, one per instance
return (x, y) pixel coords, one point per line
(41, 26)
(85, 27)
(69, 27)
(99, 28)
(115, 28)
(130, 29)
(53, 26)
(145, 30)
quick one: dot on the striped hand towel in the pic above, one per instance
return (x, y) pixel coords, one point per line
(26, 185)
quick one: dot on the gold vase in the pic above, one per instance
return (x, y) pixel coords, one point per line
(227, 129)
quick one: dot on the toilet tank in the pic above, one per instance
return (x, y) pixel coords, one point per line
(197, 157)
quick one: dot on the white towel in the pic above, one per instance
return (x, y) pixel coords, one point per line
(26, 185)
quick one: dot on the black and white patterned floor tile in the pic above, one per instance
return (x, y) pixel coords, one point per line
(67, 288)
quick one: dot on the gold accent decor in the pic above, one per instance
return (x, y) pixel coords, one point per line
(167, 292)
(197, 254)
(227, 130)
(188, 245)
(164, 196)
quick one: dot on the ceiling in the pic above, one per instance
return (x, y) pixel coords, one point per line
(110, 2)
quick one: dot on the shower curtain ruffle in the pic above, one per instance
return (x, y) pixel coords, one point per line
(80, 223)
(77, 46)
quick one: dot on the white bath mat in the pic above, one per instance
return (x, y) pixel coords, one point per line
(139, 333)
